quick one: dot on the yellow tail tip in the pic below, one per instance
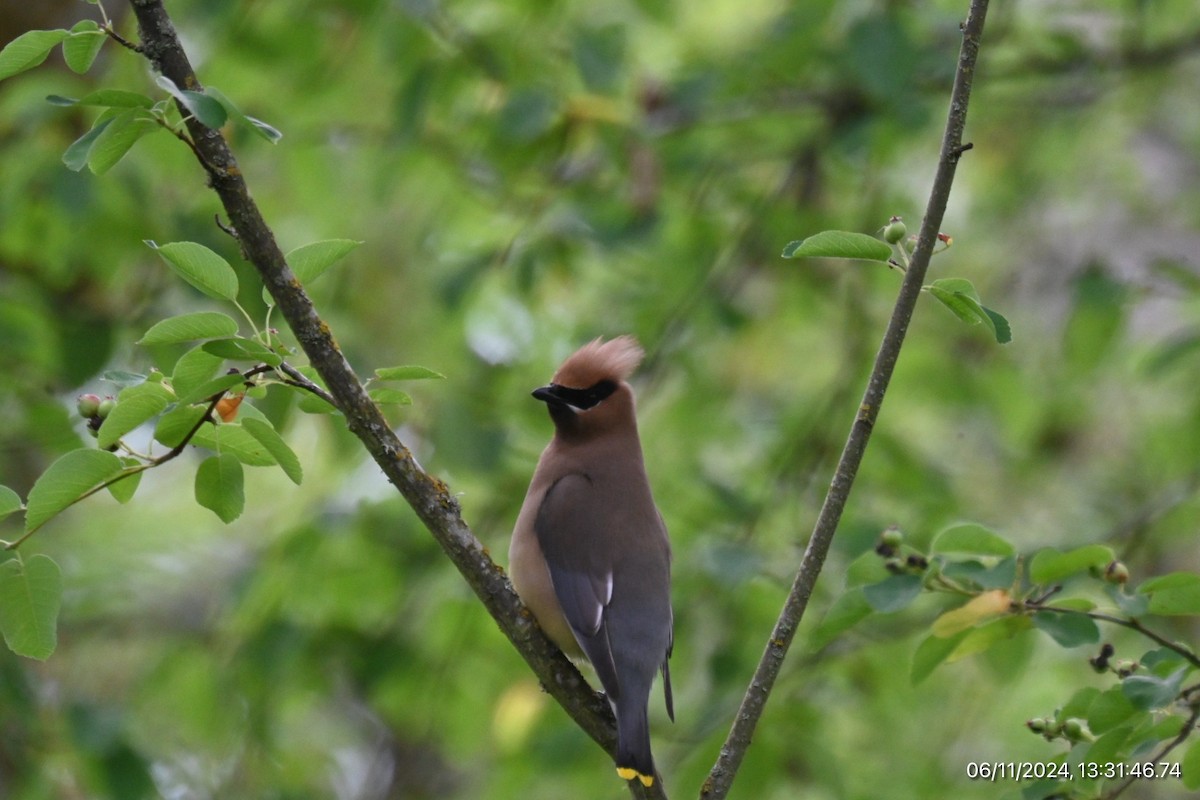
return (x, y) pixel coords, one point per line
(629, 773)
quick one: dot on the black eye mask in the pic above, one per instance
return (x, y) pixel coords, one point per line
(582, 399)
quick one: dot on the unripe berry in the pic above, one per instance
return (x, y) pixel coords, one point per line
(1073, 729)
(88, 405)
(892, 537)
(1116, 572)
(895, 231)
(105, 408)
(1037, 725)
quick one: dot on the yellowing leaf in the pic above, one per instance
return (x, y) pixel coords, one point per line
(976, 610)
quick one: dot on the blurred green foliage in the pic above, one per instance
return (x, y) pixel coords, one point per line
(526, 176)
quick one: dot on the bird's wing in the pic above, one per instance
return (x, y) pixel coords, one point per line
(570, 530)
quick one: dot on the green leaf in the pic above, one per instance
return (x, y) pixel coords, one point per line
(134, 406)
(309, 261)
(204, 108)
(384, 396)
(1190, 764)
(176, 423)
(972, 571)
(239, 348)
(200, 267)
(106, 98)
(982, 607)
(959, 295)
(76, 155)
(1069, 630)
(194, 368)
(1146, 692)
(893, 593)
(189, 327)
(10, 501)
(1133, 605)
(66, 480)
(82, 46)
(972, 540)
(276, 446)
(271, 134)
(115, 140)
(986, 636)
(28, 50)
(124, 489)
(1109, 710)
(1050, 565)
(30, 597)
(1174, 594)
(846, 612)
(839, 244)
(123, 379)
(219, 486)
(207, 390)
(232, 439)
(931, 652)
(407, 373)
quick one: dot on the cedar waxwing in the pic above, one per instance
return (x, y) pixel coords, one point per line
(589, 554)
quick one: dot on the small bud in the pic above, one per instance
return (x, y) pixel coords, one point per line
(105, 408)
(892, 537)
(1126, 667)
(1037, 725)
(895, 566)
(88, 405)
(895, 231)
(1116, 572)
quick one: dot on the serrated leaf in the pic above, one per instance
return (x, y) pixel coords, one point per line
(971, 539)
(123, 379)
(1069, 630)
(309, 261)
(893, 593)
(384, 396)
(189, 327)
(30, 597)
(1172, 595)
(269, 438)
(268, 132)
(194, 368)
(28, 50)
(1000, 327)
(1050, 565)
(76, 155)
(200, 267)
(239, 348)
(974, 611)
(407, 373)
(204, 108)
(219, 486)
(931, 652)
(82, 46)
(66, 480)
(135, 405)
(115, 140)
(10, 502)
(839, 244)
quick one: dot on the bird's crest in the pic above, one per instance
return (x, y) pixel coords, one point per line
(598, 360)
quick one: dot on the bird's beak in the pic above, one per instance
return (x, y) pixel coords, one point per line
(547, 394)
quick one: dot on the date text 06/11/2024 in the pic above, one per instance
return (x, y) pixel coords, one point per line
(1084, 770)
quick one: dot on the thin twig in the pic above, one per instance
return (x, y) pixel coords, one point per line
(1158, 757)
(430, 498)
(1132, 623)
(725, 769)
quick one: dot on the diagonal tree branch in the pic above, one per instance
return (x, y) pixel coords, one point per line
(725, 769)
(428, 496)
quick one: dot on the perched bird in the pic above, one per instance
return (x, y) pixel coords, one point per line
(589, 554)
